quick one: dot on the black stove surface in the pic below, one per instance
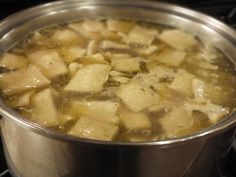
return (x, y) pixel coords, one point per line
(224, 10)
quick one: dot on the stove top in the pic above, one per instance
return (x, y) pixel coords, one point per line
(224, 10)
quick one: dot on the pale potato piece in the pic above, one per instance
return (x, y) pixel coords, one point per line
(209, 52)
(93, 26)
(161, 71)
(125, 64)
(175, 121)
(72, 53)
(78, 27)
(136, 96)
(92, 47)
(65, 36)
(146, 50)
(93, 59)
(94, 129)
(141, 35)
(134, 120)
(44, 109)
(74, 66)
(214, 112)
(207, 65)
(90, 78)
(99, 110)
(22, 80)
(49, 61)
(24, 100)
(183, 83)
(120, 79)
(178, 39)
(112, 45)
(13, 61)
(170, 57)
(119, 25)
(198, 90)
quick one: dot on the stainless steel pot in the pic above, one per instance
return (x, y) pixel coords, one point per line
(32, 151)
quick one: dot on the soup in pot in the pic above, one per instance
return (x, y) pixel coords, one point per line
(118, 80)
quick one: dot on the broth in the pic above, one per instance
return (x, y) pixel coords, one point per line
(118, 80)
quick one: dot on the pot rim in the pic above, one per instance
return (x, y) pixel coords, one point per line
(228, 122)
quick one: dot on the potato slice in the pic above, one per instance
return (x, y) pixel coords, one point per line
(183, 83)
(72, 53)
(112, 45)
(170, 57)
(178, 39)
(121, 79)
(175, 121)
(129, 65)
(161, 71)
(136, 96)
(22, 80)
(49, 61)
(66, 36)
(99, 110)
(44, 109)
(198, 90)
(146, 50)
(214, 112)
(134, 120)
(92, 47)
(24, 100)
(119, 25)
(93, 26)
(141, 35)
(78, 27)
(94, 129)
(89, 79)
(13, 61)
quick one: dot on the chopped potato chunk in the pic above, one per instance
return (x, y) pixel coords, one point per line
(110, 45)
(170, 57)
(65, 36)
(134, 120)
(198, 90)
(44, 109)
(90, 78)
(13, 61)
(161, 71)
(141, 35)
(22, 80)
(72, 53)
(122, 80)
(175, 121)
(146, 50)
(136, 96)
(49, 61)
(99, 110)
(92, 47)
(93, 25)
(24, 100)
(214, 112)
(119, 25)
(183, 83)
(125, 64)
(94, 129)
(79, 27)
(178, 39)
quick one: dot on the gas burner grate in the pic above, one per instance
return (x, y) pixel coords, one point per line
(5, 174)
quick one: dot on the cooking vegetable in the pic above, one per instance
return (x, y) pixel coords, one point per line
(118, 80)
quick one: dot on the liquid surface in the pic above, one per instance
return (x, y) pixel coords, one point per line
(118, 80)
